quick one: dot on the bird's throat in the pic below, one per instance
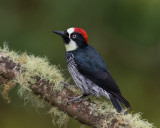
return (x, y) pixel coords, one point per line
(71, 46)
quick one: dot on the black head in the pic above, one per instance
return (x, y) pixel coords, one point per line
(73, 38)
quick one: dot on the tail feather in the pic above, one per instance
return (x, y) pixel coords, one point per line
(122, 99)
(116, 103)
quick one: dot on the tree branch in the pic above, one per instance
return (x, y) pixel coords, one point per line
(40, 78)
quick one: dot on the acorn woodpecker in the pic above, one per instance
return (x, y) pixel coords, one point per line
(88, 68)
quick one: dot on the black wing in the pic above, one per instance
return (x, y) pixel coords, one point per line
(92, 66)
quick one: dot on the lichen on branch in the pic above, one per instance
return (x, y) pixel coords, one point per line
(39, 82)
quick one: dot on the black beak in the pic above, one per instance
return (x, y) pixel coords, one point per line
(60, 33)
(64, 36)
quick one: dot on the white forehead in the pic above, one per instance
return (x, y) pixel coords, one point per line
(70, 30)
(72, 44)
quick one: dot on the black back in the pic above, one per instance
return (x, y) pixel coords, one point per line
(92, 66)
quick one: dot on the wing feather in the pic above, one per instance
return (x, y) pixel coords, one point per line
(92, 66)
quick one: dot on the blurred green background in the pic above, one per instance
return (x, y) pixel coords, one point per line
(125, 32)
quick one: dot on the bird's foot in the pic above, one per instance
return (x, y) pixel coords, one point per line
(74, 99)
(66, 84)
(78, 98)
(83, 99)
(124, 112)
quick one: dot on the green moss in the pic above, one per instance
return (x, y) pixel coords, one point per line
(131, 120)
(28, 96)
(32, 66)
(60, 118)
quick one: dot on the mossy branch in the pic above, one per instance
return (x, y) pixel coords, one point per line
(36, 76)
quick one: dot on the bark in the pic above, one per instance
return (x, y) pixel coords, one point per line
(82, 111)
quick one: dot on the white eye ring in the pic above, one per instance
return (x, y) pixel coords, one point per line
(74, 36)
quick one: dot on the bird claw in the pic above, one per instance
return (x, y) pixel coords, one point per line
(84, 99)
(78, 99)
(71, 100)
(66, 84)
(68, 102)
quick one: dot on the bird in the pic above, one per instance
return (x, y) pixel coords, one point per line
(88, 69)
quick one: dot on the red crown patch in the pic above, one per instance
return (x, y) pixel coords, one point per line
(83, 32)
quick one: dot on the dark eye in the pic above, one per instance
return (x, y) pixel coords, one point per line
(74, 36)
